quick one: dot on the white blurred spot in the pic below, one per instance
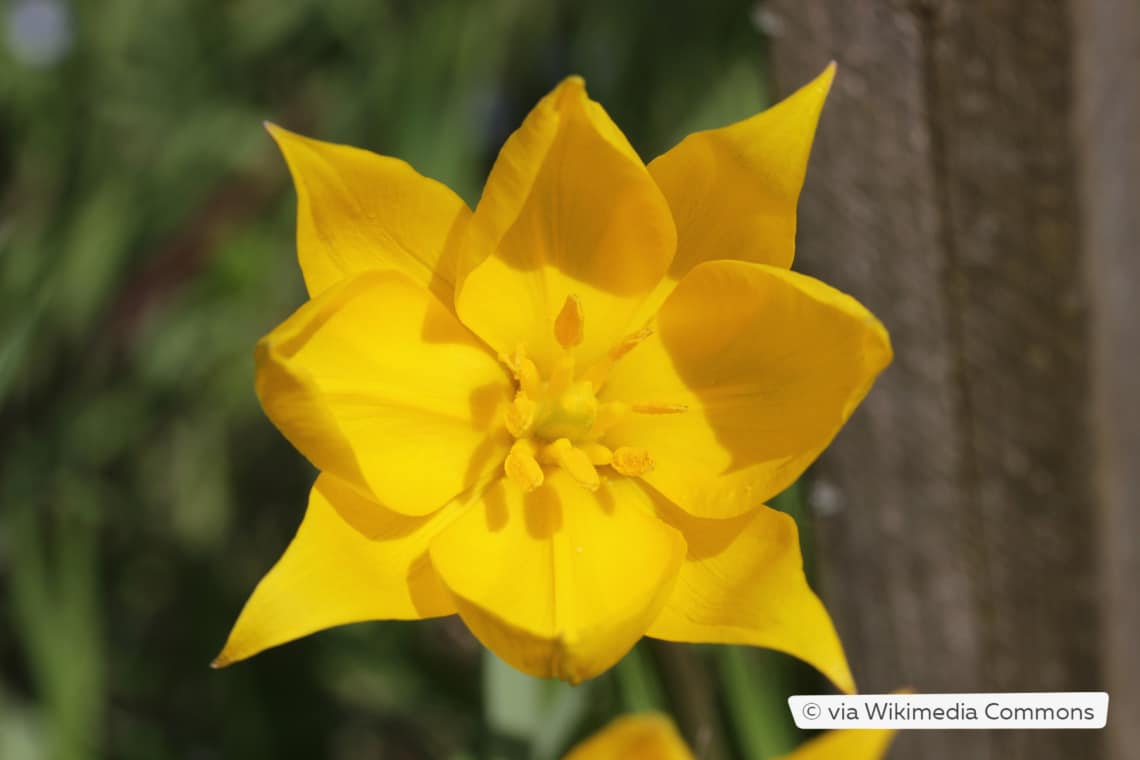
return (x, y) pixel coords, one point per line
(38, 31)
(825, 498)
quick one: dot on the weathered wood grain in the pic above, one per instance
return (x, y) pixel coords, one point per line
(960, 513)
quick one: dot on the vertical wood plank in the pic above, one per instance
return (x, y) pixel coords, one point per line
(1107, 134)
(957, 512)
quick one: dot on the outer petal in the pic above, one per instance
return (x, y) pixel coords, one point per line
(733, 190)
(377, 383)
(634, 737)
(743, 582)
(847, 744)
(357, 210)
(770, 364)
(569, 208)
(560, 582)
(351, 560)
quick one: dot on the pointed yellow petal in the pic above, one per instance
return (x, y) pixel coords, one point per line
(560, 582)
(569, 210)
(376, 382)
(733, 191)
(634, 737)
(357, 211)
(847, 744)
(769, 364)
(742, 582)
(351, 560)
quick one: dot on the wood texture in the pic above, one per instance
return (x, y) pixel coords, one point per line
(1107, 76)
(960, 513)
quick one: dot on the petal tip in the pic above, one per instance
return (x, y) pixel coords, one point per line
(569, 90)
(827, 76)
(275, 131)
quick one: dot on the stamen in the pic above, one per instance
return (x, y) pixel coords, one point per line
(598, 454)
(522, 467)
(632, 461)
(519, 417)
(630, 342)
(512, 360)
(660, 408)
(574, 462)
(598, 373)
(569, 323)
(530, 382)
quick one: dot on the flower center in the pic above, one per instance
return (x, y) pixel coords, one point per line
(557, 421)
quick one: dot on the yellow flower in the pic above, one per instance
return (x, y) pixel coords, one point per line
(653, 737)
(559, 415)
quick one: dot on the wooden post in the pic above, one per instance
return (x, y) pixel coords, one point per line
(977, 517)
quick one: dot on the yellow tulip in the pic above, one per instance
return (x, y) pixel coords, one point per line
(560, 415)
(653, 737)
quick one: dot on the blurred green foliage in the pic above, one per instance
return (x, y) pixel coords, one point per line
(146, 242)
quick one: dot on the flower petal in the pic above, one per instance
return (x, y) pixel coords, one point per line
(569, 209)
(769, 365)
(351, 560)
(634, 737)
(560, 582)
(357, 210)
(733, 190)
(376, 382)
(845, 744)
(742, 582)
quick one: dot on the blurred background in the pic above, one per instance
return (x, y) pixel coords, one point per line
(974, 528)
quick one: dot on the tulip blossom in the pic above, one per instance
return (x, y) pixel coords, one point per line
(559, 415)
(653, 737)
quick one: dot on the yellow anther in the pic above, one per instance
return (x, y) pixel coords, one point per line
(660, 408)
(530, 382)
(630, 342)
(522, 467)
(519, 417)
(609, 414)
(512, 360)
(574, 461)
(569, 323)
(598, 454)
(632, 461)
(598, 373)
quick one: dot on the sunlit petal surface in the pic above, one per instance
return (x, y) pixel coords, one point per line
(376, 382)
(560, 582)
(357, 210)
(768, 363)
(351, 560)
(569, 209)
(742, 582)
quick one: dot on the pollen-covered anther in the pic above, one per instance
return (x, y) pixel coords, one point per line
(598, 373)
(522, 467)
(632, 461)
(569, 324)
(519, 417)
(660, 408)
(574, 461)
